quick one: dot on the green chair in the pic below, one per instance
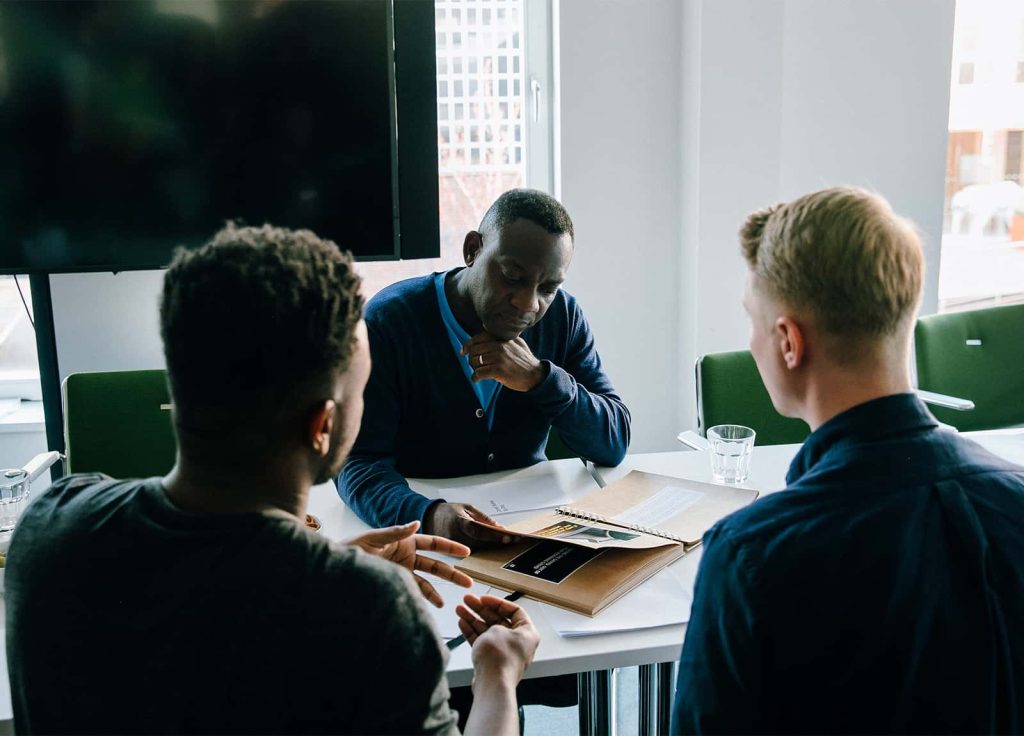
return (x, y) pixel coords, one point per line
(118, 423)
(730, 391)
(978, 355)
(556, 449)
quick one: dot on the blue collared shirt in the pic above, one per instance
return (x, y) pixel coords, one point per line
(882, 591)
(487, 389)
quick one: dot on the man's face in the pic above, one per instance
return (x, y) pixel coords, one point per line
(764, 343)
(350, 388)
(517, 270)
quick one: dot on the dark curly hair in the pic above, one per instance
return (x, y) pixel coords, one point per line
(257, 318)
(534, 205)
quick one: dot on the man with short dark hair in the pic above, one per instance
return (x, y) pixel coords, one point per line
(883, 590)
(473, 368)
(200, 602)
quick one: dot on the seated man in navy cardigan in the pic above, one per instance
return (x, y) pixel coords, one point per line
(472, 368)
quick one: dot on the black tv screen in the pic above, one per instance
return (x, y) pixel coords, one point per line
(130, 127)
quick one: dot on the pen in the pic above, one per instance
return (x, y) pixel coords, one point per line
(460, 639)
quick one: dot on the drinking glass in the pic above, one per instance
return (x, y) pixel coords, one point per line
(731, 448)
(13, 497)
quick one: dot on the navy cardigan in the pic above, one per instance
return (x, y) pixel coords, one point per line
(423, 420)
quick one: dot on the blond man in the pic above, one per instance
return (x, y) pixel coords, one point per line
(883, 591)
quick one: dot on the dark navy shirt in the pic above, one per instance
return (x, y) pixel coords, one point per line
(422, 419)
(882, 591)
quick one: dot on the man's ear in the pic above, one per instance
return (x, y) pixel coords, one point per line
(791, 342)
(471, 247)
(321, 426)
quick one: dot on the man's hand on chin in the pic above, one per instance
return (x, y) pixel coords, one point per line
(509, 362)
(463, 523)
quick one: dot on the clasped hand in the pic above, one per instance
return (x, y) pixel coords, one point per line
(401, 545)
(502, 635)
(509, 362)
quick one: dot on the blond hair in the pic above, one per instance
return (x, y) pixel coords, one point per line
(842, 255)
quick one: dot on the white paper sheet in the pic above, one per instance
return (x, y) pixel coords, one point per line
(660, 601)
(446, 619)
(666, 504)
(1008, 446)
(510, 496)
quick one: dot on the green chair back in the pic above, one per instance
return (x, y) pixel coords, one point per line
(556, 449)
(977, 355)
(730, 391)
(114, 423)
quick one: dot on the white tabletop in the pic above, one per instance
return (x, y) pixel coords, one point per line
(557, 655)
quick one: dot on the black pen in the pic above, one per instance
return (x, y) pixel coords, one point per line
(460, 639)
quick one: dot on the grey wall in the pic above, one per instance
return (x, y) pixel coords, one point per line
(106, 322)
(750, 102)
(620, 177)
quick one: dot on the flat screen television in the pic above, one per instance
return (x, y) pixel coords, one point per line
(129, 127)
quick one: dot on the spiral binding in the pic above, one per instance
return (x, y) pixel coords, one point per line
(587, 516)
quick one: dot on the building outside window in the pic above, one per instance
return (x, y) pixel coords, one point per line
(492, 114)
(982, 262)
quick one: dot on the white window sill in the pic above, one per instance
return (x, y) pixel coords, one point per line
(21, 416)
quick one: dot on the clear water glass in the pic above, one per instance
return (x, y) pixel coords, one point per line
(13, 497)
(731, 448)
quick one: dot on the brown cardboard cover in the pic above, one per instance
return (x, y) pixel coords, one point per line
(615, 571)
(600, 581)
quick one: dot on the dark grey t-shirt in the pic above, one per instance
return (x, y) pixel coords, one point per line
(126, 614)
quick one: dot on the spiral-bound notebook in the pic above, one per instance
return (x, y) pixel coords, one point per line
(640, 511)
(606, 543)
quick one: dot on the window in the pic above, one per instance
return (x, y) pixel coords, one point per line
(494, 127)
(1019, 76)
(1014, 157)
(982, 255)
(19, 366)
(966, 72)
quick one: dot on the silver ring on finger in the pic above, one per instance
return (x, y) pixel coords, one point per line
(481, 359)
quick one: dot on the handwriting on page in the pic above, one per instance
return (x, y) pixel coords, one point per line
(666, 504)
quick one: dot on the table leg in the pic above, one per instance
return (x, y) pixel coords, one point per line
(656, 697)
(596, 703)
(645, 687)
(665, 675)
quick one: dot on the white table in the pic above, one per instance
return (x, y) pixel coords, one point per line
(600, 653)
(557, 655)
(597, 654)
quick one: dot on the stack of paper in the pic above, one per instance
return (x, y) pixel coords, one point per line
(1009, 446)
(510, 496)
(660, 601)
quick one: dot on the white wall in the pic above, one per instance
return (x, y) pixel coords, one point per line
(737, 115)
(106, 322)
(775, 98)
(620, 180)
(869, 105)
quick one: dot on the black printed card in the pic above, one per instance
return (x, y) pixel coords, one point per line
(551, 561)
